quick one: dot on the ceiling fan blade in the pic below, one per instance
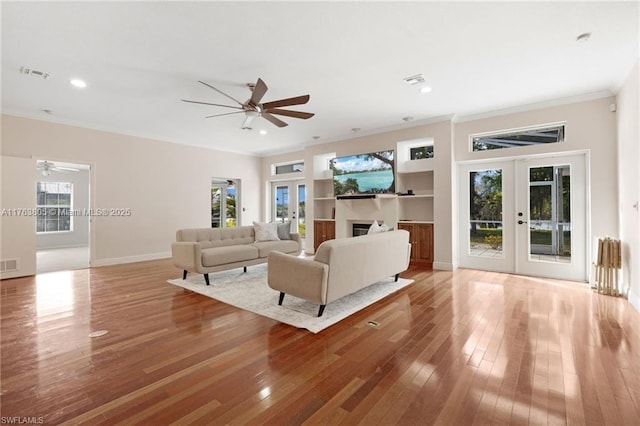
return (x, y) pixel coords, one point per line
(289, 113)
(258, 92)
(298, 100)
(221, 92)
(274, 120)
(208, 103)
(226, 113)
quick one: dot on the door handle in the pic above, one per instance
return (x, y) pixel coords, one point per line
(520, 222)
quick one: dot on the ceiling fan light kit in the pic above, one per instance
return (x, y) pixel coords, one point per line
(46, 167)
(253, 107)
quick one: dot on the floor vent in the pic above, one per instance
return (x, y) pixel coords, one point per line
(8, 265)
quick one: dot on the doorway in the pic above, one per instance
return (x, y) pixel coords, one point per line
(288, 203)
(525, 216)
(224, 202)
(62, 216)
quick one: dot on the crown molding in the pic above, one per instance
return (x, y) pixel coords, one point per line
(534, 106)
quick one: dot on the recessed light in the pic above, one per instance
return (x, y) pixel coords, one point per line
(583, 38)
(426, 89)
(263, 132)
(78, 83)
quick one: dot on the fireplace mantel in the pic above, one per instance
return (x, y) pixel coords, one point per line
(383, 208)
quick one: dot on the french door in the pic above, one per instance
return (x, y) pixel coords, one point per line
(288, 203)
(525, 216)
(224, 197)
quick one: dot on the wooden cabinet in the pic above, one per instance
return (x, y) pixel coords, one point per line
(323, 230)
(421, 239)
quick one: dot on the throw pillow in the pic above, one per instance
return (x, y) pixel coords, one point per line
(374, 228)
(266, 231)
(284, 230)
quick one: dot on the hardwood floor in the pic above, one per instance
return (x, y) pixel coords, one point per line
(464, 347)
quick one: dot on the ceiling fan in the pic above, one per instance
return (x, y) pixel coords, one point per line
(46, 167)
(252, 108)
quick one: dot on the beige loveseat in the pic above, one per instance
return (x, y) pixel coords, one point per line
(340, 267)
(205, 250)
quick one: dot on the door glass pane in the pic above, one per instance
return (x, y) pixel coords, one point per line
(282, 203)
(216, 191)
(485, 213)
(302, 227)
(230, 213)
(550, 214)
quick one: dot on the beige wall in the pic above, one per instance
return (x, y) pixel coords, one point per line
(440, 132)
(590, 127)
(17, 222)
(628, 115)
(166, 186)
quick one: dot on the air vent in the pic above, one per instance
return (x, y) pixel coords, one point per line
(8, 265)
(35, 73)
(414, 79)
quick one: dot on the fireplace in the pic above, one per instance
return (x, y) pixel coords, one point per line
(359, 229)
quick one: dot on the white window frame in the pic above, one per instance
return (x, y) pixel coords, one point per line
(502, 133)
(44, 209)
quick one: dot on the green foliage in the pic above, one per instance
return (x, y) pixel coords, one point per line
(493, 241)
(349, 186)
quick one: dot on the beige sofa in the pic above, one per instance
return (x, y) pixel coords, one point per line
(205, 250)
(340, 267)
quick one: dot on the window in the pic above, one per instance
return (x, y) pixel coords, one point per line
(420, 152)
(53, 206)
(297, 167)
(512, 139)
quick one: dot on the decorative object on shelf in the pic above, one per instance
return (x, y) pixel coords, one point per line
(608, 263)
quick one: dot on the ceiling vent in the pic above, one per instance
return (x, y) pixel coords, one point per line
(35, 73)
(414, 79)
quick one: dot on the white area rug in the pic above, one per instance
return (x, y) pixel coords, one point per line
(249, 291)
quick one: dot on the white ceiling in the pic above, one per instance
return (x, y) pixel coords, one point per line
(139, 59)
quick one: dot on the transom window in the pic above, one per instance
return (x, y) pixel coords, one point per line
(420, 152)
(53, 206)
(297, 167)
(517, 138)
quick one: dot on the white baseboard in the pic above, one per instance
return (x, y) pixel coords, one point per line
(443, 266)
(634, 300)
(62, 247)
(130, 259)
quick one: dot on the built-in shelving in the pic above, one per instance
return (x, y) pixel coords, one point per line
(324, 202)
(414, 212)
(420, 205)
